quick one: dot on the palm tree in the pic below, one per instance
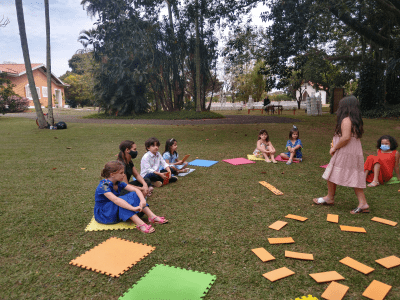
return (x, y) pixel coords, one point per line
(24, 44)
(50, 117)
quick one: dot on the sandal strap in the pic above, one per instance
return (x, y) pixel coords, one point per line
(147, 228)
(160, 221)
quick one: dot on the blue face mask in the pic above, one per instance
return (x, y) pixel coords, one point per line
(385, 147)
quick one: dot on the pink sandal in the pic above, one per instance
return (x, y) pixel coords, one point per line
(161, 220)
(145, 228)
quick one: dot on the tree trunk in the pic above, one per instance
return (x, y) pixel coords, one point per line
(197, 60)
(50, 116)
(24, 44)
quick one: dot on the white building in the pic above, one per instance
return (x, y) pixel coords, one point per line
(308, 90)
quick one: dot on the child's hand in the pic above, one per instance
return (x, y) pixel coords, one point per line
(162, 175)
(332, 151)
(142, 205)
(137, 208)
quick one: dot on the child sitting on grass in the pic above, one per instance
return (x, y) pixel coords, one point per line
(294, 146)
(111, 208)
(171, 157)
(264, 147)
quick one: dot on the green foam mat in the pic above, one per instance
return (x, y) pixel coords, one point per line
(165, 282)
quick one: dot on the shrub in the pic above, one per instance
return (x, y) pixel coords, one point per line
(383, 112)
(371, 85)
(13, 104)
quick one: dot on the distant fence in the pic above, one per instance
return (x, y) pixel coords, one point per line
(287, 105)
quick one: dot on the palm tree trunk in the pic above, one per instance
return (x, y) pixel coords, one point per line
(197, 59)
(24, 44)
(50, 117)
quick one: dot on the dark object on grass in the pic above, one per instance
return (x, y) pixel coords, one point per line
(61, 125)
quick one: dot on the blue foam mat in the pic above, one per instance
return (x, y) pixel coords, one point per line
(202, 163)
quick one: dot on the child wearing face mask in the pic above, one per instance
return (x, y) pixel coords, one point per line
(379, 169)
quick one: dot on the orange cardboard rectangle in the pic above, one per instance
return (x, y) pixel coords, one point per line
(185, 157)
(332, 218)
(286, 240)
(384, 221)
(298, 218)
(352, 229)
(377, 290)
(271, 188)
(298, 255)
(326, 276)
(352, 263)
(263, 254)
(389, 262)
(335, 291)
(278, 274)
(277, 225)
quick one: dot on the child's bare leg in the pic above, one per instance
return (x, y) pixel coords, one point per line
(273, 157)
(362, 201)
(266, 157)
(291, 157)
(283, 155)
(138, 221)
(375, 182)
(150, 214)
(331, 194)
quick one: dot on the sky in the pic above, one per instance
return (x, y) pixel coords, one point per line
(67, 20)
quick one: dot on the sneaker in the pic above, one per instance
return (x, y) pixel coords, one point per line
(157, 184)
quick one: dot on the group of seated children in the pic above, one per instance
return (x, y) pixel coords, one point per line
(118, 199)
(293, 145)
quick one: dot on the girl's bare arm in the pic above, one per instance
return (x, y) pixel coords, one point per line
(121, 202)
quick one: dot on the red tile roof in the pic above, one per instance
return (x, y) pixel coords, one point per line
(16, 69)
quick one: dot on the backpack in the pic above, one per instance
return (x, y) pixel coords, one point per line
(61, 125)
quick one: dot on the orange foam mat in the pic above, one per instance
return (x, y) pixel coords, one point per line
(352, 263)
(263, 254)
(271, 188)
(377, 290)
(389, 262)
(298, 255)
(335, 291)
(278, 274)
(277, 225)
(286, 240)
(352, 229)
(384, 221)
(326, 276)
(298, 218)
(113, 257)
(332, 218)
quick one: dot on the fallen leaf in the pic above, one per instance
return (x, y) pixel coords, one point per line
(56, 137)
(207, 139)
(69, 147)
(214, 252)
(263, 172)
(83, 168)
(54, 169)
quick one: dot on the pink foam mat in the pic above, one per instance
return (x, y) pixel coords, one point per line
(279, 158)
(239, 161)
(324, 166)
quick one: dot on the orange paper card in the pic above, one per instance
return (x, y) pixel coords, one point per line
(332, 218)
(278, 274)
(335, 291)
(263, 254)
(277, 225)
(185, 157)
(326, 276)
(389, 262)
(294, 217)
(384, 221)
(287, 240)
(352, 229)
(271, 188)
(297, 255)
(377, 290)
(352, 263)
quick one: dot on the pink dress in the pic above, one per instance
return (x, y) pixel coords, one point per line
(346, 166)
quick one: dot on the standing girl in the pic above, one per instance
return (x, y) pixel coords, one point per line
(109, 208)
(264, 147)
(171, 157)
(294, 146)
(346, 166)
(379, 169)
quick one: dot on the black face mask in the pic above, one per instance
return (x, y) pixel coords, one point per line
(133, 154)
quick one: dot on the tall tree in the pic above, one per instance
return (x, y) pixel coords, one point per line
(50, 116)
(25, 50)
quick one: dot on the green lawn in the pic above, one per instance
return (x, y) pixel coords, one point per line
(217, 214)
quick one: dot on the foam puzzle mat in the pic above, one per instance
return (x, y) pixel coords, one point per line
(95, 226)
(203, 163)
(253, 157)
(280, 158)
(377, 290)
(165, 282)
(384, 221)
(113, 257)
(352, 263)
(271, 188)
(309, 297)
(335, 291)
(278, 274)
(393, 180)
(238, 161)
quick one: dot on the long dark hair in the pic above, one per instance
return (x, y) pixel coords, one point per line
(349, 107)
(168, 144)
(261, 132)
(111, 167)
(122, 147)
(392, 141)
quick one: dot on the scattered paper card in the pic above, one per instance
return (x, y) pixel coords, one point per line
(335, 291)
(352, 229)
(278, 274)
(263, 254)
(352, 263)
(271, 188)
(185, 157)
(277, 225)
(389, 262)
(377, 290)
(298, 218)
(286, 240)
(332, 218)
(298, 255)
(384, 221)
(326, 276)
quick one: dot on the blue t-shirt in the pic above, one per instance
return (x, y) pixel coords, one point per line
(106, 211)
(171, 158)
(298, 151)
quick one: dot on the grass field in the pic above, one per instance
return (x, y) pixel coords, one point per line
(217, 214)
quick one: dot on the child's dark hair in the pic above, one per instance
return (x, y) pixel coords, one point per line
(151, 142)
(168, 144)
(392, 141)
(122, 147)
(349, 107)
(293, 130)
(261, 132)
(111, 167)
